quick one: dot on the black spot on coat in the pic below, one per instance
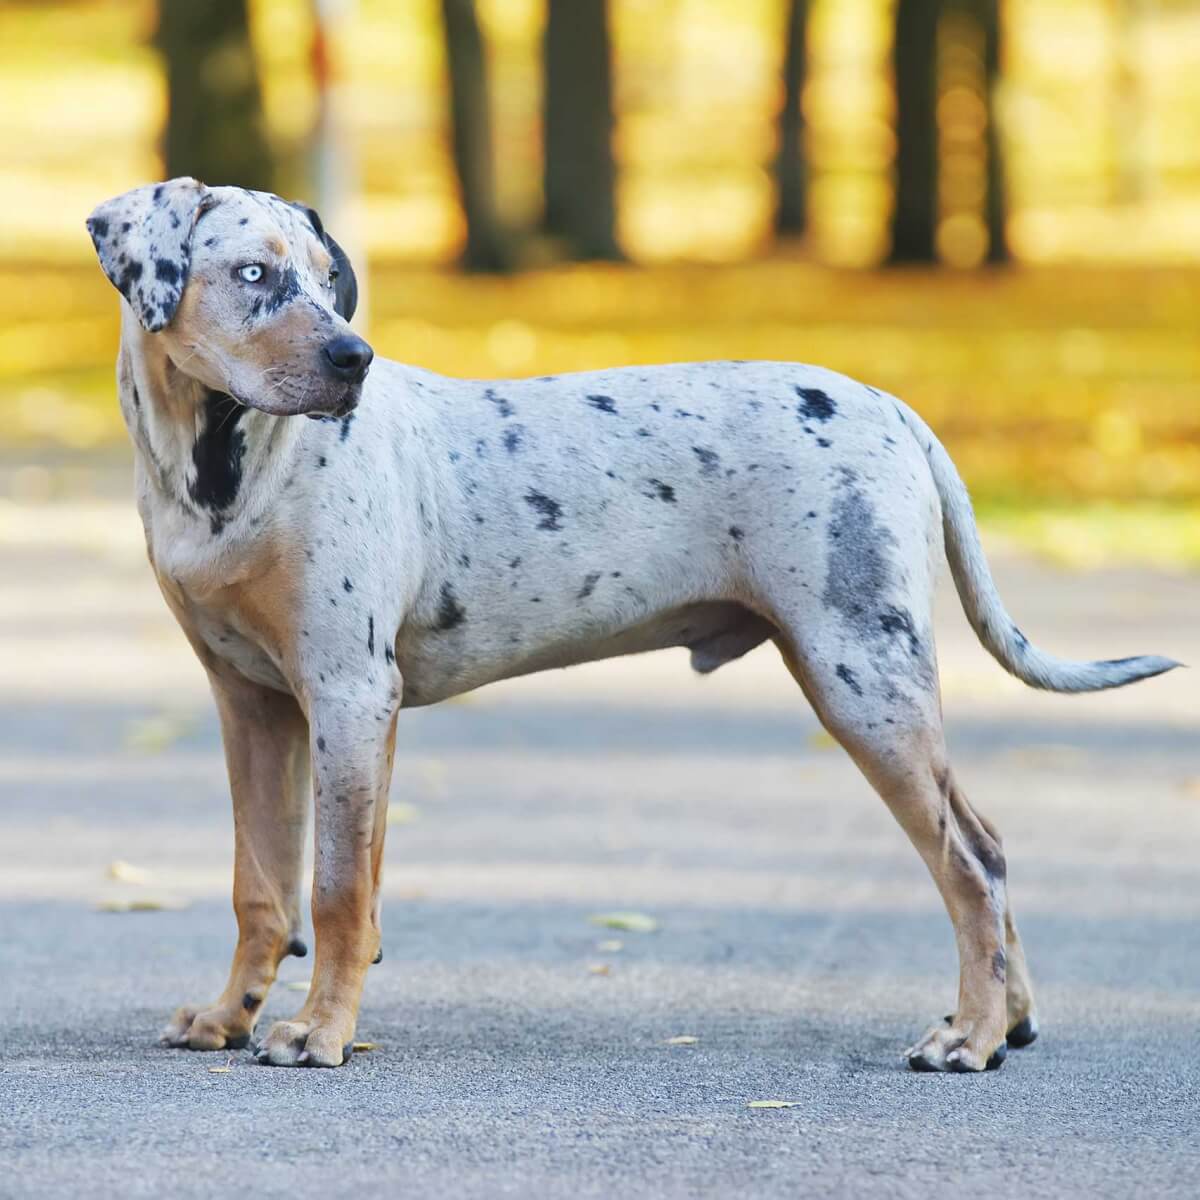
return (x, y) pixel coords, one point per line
(217, 456)
(815, 405)
(848, 677)
(661, 491)
(550, 510)
(450, 612)
(710, 460)
(589, 585)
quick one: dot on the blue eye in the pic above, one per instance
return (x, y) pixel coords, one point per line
(251, 272)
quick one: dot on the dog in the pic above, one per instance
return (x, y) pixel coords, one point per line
(421, 536)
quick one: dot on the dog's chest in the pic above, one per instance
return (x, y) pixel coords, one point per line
(241, 648)
(235, 613)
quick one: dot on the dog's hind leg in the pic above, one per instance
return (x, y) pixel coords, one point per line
(859, 643)
(266, 751)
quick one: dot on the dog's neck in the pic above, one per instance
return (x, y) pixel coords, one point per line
(202, 453)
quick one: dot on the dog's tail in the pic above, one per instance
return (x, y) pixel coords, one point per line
(981, 601)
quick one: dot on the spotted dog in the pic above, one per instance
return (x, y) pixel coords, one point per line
(423, 536)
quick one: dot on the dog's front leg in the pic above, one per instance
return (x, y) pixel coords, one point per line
(266, 751)
(352, 746)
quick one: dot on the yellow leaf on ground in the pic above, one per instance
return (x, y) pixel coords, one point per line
(599, 969)
(683, 1039)
(610, 946)
(631, 922)
(150, 735)
(364, 1047)
(298, 985)
(219, 1070)
(141, 904)
(124, 872)
(821, 740)
(773, 1104)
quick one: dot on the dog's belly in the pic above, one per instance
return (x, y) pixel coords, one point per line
(716, 632)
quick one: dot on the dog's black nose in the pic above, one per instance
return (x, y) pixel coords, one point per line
(348, 358)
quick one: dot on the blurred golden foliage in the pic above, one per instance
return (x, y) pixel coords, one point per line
(1051, 384)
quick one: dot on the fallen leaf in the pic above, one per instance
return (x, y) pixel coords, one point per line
(141, 904)
(773, 1104)
(599, 969)
(821, 740)
(631, 922)
(402, 814)
(364, 1047)
(150, 735)
(683, 1039)
(298, 985)
(219, 1070)
(610, 946)
(124, 872)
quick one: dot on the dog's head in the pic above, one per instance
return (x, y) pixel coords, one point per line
(249, 293)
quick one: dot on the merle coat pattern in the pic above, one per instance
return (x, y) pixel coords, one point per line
(423, 536)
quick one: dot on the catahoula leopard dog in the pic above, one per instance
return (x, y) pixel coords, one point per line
(422, 536)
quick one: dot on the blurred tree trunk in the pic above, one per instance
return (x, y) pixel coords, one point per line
(996, 202)
(914, 59)
(579, 174)
(215, 128)
(1131, 179)
(488, 247)
(791, 213)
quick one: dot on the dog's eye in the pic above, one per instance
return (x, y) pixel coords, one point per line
(333, 274)
(251, 272)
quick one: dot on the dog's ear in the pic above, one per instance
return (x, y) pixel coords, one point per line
(345, 287)
(144, 242)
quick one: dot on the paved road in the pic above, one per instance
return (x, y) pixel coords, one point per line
(800, 941)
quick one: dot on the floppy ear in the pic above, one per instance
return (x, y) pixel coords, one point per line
(144, 241)
(345, 287)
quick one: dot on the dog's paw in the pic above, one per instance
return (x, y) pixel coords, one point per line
(206, 1029)
(305, 1044)
(948, 1047)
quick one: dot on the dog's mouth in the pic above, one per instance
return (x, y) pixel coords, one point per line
(343, 408)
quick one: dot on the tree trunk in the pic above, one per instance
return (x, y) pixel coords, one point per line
(487, 247)
(996, 214)
(914, 57)
(791, 213)
(215, 128)
(579, 175)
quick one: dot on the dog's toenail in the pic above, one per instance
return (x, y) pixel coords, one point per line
(1023, 1033)
(998, 1057)
(297, 948)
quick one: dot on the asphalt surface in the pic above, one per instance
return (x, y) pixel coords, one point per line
(516, 1050)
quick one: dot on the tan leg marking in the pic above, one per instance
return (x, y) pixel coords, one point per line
(352, 760)
(266, 750)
